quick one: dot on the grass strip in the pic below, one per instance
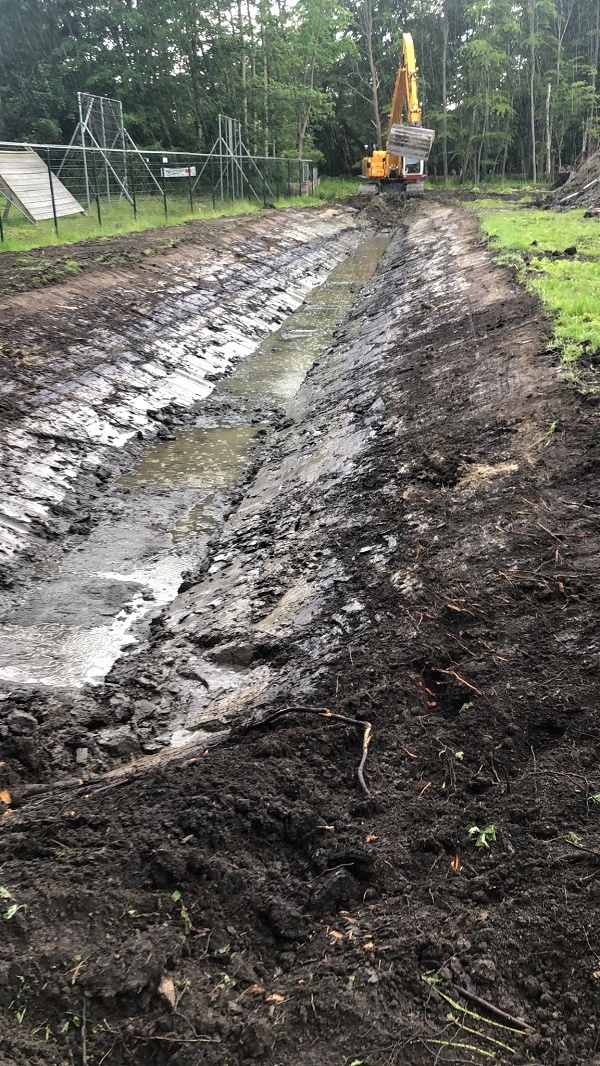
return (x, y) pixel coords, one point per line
(21, 235)
(569, 288)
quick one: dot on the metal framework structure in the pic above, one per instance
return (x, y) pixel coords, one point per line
(102, 165)
(231, 154)
(101, 127)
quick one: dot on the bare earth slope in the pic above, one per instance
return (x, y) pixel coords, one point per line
(419, 550)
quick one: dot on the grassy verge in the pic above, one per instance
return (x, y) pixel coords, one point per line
(569, 287)
(490, 186)
(21, 235)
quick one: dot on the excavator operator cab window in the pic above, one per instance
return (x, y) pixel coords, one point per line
(413, 166)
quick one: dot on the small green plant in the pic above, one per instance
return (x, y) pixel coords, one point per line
(184, 913)
(46, 1028)
(549, 433)
(595, 798)
(483, 837)
(226, 981)
(572, 838)
(459, 755)
(225, 950)
(15, 1005)
(465, 707)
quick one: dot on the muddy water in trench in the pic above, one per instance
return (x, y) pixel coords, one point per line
(73, 625)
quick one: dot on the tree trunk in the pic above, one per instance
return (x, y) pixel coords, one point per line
(532, 4)
(368, 28)
(548, 134)
(445, 91)
(595, 50)
(265, 73)
(243, 64)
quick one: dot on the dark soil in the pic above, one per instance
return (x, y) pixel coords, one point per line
(582, 189)
(248, 902)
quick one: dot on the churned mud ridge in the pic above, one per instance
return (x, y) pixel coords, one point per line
(94, 370)
(26, 270)
(419, 551)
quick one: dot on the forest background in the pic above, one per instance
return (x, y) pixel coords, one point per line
(510, 87)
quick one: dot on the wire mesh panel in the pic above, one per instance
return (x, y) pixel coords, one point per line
(114, 183)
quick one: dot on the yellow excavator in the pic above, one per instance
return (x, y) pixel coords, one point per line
(401, 165)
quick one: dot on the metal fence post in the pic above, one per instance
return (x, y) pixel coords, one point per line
(263, 184)
(96, 193)
(133, 196)
(164, 188)
(52, 191)
(190, 186)
(1, 229)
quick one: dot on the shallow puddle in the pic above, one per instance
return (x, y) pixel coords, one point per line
(171, 506)
(196, 459)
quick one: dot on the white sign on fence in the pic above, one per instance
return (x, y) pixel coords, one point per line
(178, 172)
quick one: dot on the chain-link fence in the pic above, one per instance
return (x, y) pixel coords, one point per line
(50, 182)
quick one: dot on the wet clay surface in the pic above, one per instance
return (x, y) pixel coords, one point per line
(418, 550)
(93, 371)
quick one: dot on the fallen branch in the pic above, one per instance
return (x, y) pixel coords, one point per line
(516, 1024)
(324, 712)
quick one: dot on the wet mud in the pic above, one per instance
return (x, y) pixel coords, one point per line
(416, 547)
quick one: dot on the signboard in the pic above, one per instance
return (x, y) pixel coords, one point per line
(178, 172)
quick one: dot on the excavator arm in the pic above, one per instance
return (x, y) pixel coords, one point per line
(405, 90)
(410, 138)
(408, 144)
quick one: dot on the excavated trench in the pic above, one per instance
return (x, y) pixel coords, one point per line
(191, 869)
(72, 626)
(94, 588)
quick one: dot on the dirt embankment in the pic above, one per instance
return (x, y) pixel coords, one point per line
(582, 188)
(419, 552)
(26, 270)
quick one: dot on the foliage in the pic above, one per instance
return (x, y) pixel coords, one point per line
(313, 77)
(483, 837)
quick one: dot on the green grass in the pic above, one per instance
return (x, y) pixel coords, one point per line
(552, 231)
(21, 235)
(496, 185)
(568, 288)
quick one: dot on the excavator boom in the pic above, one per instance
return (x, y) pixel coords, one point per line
(410, 138)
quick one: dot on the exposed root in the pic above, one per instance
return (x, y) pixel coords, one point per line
(324, 712)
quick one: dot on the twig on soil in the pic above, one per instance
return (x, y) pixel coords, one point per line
(166, 1039)
(462, 680)
(457, 1044)
(324, 712)
(516, 1023)
(535, 770)
(84, 1034)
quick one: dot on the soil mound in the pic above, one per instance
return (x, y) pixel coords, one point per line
(583, 186)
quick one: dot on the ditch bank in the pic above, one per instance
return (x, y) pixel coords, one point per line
(418, 550)
(94, 370)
